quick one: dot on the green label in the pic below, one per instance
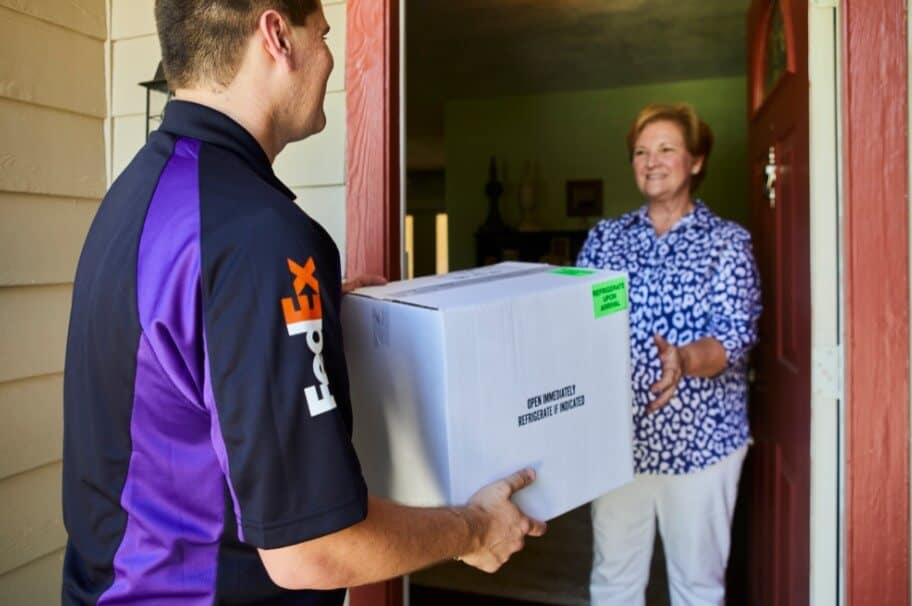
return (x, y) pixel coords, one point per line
(609, 297)
(573, 271)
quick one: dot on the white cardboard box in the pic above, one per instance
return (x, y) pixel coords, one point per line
(461, 379)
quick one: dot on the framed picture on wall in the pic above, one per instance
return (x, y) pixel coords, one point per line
(584, 198)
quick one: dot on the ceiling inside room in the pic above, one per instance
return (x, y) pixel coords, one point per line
(488, 48)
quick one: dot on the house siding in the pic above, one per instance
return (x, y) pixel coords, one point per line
(52, 176)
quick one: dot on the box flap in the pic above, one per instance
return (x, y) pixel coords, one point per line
(481, 285)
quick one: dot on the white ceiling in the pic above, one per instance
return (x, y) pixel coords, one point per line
(485, 48)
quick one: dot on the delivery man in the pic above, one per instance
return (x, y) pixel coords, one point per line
(207, 450)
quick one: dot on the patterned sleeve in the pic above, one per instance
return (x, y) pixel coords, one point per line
(735, 297)
(587, 256)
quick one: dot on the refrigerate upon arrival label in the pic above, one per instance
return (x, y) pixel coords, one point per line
(609, 297)
(551, 403)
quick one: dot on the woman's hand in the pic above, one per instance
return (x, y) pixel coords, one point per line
(359, 281)
(703, 358)
(672, 371)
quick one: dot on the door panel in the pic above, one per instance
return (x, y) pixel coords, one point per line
(779, 468)
(787, 231)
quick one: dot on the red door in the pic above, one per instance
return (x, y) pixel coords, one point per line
(778, 474)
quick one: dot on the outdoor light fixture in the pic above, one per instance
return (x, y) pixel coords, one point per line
(160, 84)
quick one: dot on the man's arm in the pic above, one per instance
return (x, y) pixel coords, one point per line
(394, 540)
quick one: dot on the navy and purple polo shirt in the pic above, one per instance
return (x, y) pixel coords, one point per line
(206, 399)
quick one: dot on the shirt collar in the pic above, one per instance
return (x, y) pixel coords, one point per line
(188, 119)
(700, 216)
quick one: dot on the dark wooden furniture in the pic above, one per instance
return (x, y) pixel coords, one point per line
(555, 247)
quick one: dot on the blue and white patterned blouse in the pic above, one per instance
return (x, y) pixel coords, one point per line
(697, 280)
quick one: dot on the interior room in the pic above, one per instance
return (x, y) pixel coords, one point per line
(516, 113)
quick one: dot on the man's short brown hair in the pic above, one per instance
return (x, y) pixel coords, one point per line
(203, 40)
(698, 137)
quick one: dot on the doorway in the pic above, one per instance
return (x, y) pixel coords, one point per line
(544, 92)
(854, 218)
(515, 119)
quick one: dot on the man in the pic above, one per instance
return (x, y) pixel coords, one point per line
(207, 451)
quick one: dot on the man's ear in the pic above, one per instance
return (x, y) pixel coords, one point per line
(275, 34)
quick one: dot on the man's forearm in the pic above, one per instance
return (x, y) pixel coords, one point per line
(393, 540)
(396, 540)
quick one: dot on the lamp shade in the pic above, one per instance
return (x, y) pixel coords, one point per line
(158, 82)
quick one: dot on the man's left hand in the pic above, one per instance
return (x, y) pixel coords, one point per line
(360, 281)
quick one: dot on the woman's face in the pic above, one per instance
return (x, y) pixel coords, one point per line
(662, 166)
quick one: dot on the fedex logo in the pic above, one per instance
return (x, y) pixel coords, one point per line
(304, 315)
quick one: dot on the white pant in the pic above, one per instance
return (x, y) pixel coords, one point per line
(694, 512)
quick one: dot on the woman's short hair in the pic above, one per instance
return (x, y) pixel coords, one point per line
(697, 135)
(202, 41)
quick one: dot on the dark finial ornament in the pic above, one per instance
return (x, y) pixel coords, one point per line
(493, 190)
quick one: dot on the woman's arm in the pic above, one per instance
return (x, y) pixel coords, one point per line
(703, 358)
(734, 310)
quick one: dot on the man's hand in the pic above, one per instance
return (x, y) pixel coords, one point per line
(502, 526)
(672, 371)
(359, 281)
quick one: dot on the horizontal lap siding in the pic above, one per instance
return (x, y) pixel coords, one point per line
(52, 177)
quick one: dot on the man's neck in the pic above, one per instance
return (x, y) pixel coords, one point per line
(245, 110)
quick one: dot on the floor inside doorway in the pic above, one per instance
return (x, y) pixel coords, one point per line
(551, 571)
(554, 570)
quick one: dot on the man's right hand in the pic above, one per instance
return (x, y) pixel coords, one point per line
(499, 524)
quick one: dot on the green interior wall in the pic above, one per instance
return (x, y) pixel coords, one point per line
(580, 135)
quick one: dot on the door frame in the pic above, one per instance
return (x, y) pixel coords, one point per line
(827, 399)
(875, 188)
(373, 173)
(860, 273)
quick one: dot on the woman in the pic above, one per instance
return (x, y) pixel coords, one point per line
(694, 303)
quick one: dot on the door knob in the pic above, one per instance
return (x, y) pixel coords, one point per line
(769, 186)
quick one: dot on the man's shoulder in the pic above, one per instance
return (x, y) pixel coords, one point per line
(242, 208)
(267, 229)
(232, 181)
(265, 240)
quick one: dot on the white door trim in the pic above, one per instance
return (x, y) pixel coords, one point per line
(827, 360)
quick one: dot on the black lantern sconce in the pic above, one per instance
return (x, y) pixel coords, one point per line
(159, 84)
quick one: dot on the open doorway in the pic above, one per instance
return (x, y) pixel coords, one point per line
(533, 99)
(548, 89)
